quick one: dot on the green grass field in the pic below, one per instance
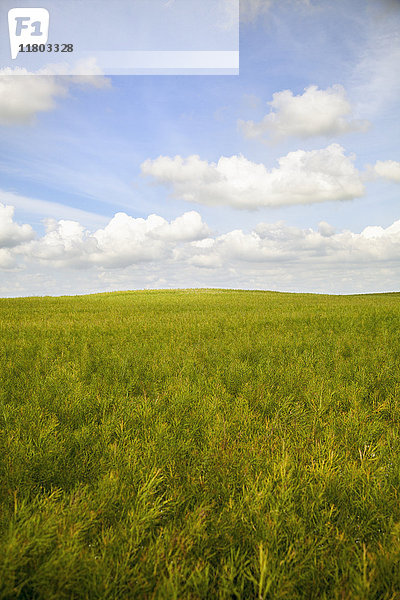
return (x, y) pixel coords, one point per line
(200, 444)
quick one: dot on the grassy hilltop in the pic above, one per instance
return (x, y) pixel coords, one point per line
(200, 444)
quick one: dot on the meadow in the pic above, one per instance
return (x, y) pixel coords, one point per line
(198, 444)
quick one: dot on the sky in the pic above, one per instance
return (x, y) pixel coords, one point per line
(285, 177)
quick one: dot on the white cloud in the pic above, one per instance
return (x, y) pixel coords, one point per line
(189, 227)
(65, 243)
(325, 229)
(12, 234)
(206, 261)
(124, 241)
(7, 260)
(387, 169)
(83, 72)
(313, 113)
(134, 253)
(303, 177)
(277, 242)
(24, 94)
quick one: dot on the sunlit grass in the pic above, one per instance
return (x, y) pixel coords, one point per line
(200, 444)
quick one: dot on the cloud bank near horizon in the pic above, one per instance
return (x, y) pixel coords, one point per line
(137, 249)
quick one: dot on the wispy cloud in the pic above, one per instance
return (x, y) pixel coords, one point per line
(45, 209)
(251, 10)
(375, 81)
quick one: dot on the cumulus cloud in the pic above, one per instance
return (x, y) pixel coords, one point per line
(84, 72)
(7, 260)
(124, 241)
(302, 177)
(206, 261)
(22, 97)
(387, 169)
(313, 113)
(12, 234)
(187, 228)
(153, 252)
(65, 243)
(325, 229)
(127, 241)
(277, 242)
(24, 94)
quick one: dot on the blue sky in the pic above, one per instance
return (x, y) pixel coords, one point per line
(72, 155)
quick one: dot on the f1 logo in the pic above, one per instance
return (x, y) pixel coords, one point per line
(27, 25)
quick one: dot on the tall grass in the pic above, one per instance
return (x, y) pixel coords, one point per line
(200, 444)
